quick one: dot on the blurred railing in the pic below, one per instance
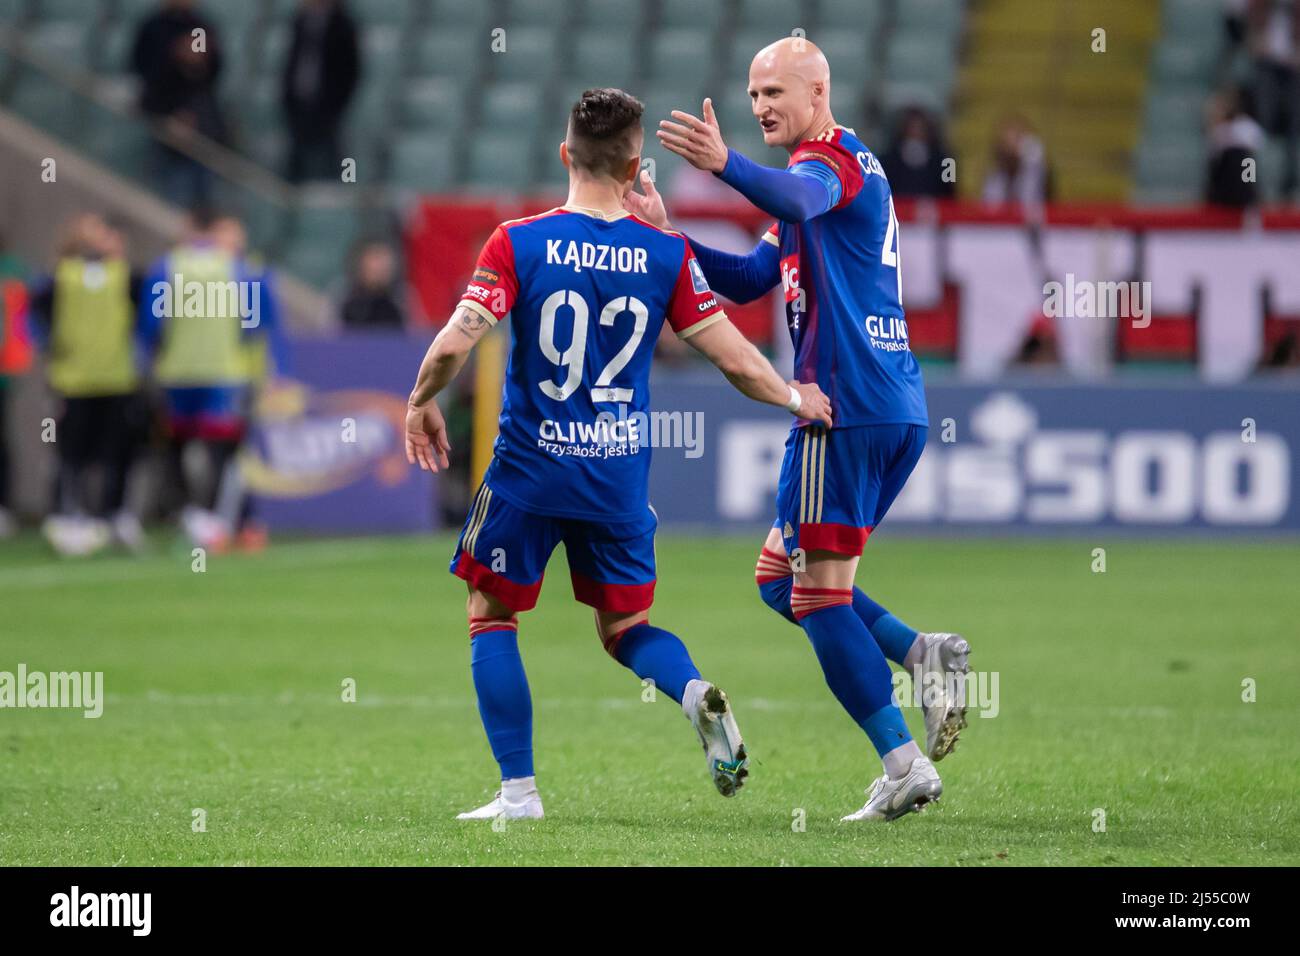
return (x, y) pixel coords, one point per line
(70, 115)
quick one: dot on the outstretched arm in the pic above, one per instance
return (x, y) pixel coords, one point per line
(800, 193)
(753, 375)
(426, 431)
(741, 278)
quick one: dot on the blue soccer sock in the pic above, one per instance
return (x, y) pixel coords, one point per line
(775, 583)
(656, 654)
(853, 664)
(504, 702)
(894, 637)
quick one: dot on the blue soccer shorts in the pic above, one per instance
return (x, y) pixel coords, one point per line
(837, 484)
(209, 412)
(503, 550)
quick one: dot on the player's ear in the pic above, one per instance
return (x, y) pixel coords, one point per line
(630, 172)
(564, 153)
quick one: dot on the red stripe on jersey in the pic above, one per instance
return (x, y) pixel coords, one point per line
(517, 597)
(692, 301)
(839, 538)
(617, 598)
(804, 601)
(494, 286)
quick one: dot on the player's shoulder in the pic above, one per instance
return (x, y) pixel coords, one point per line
(669, 244)
(633, 218)
(510, 224)
(838, 147)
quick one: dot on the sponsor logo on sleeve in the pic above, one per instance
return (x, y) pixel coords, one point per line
(482, 274)
(698, 282)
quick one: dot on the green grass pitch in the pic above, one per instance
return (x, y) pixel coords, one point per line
(1118, 691)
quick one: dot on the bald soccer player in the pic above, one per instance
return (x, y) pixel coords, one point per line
(834, 251)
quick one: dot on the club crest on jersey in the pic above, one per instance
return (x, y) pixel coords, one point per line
(698, 282)
(596, 256)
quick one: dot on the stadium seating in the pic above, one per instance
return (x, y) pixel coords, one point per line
(440, 108)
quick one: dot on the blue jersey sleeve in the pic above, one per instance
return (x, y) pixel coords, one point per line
(794, 195)
(741, 278)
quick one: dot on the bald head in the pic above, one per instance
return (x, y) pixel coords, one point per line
(794, 57)
(789, 89)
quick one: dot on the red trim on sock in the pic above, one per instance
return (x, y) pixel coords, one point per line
(805, 601)
(772, 566)
(477, 625)
(611, 643)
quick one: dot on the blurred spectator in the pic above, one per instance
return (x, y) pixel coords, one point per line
(320, 76)
(178, 72)
(1234, 22)
(1039, 346)
(1020, 175)
(85, 315)
(208, 352)
(1285, 354)
(1273, 31)
(914, 161)
(371, 301)
(267, 359)
(1234, 137)
(15, 358)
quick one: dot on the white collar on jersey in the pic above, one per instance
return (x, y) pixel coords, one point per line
(596, 213)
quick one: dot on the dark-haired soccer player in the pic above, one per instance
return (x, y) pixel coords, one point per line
(588, 287)
(835, 253)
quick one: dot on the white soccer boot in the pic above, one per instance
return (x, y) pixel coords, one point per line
(890, 798)
(944, 665)
(75, 537)
(709, 712)
(128, 533)
(527, 807)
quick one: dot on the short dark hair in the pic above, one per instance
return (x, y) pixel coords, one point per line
(601, 128)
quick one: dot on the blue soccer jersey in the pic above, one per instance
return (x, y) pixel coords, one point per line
(587, 297)
(841, 278)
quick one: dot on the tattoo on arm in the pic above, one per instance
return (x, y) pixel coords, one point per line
(470, 322)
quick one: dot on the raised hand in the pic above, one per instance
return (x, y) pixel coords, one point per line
(650, 206)
(698, 141)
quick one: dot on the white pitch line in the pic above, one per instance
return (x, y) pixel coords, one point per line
(162, 697)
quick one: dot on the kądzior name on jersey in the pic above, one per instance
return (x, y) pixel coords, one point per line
(842, 282)
(587, 297)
